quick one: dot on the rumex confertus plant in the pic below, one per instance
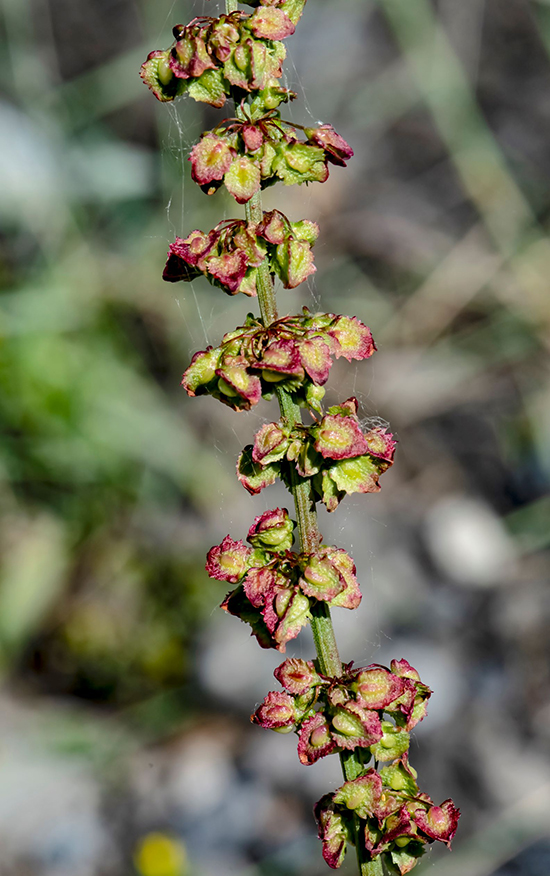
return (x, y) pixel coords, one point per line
(365, 714)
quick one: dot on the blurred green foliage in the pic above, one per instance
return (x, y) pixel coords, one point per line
(101, 586)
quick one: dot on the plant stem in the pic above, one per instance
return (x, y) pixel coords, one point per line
(264, 283)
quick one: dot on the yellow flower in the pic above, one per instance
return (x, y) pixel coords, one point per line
(160, 855)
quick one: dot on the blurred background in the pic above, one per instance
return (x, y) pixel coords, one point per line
(125, 744)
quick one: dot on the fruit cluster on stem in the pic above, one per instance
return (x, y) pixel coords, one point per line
(363, 714)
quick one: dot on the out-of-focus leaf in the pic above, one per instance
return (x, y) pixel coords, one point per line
(32, 575)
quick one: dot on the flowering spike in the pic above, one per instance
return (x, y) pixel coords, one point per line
(368, 711)
(332, 476)
(281, 354)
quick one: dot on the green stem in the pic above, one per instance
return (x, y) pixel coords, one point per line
(231, 6)
(264, 284)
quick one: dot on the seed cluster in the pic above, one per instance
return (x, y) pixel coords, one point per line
(364, 714)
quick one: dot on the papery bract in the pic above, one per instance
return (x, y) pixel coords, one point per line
(157, 75)
(277, 710)
(439, 822)
(355, 727)
(325, 136)
(242, 179)
(315, 740)
(362, 795)
(297, 676)
(377, 688)
(210, 159)
(394, 743)
(272, 530)
(228, 561)
(271, 24)
(340, 438)
(320, 579)
(334, 832)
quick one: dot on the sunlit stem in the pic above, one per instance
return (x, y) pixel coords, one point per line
(264, 283)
